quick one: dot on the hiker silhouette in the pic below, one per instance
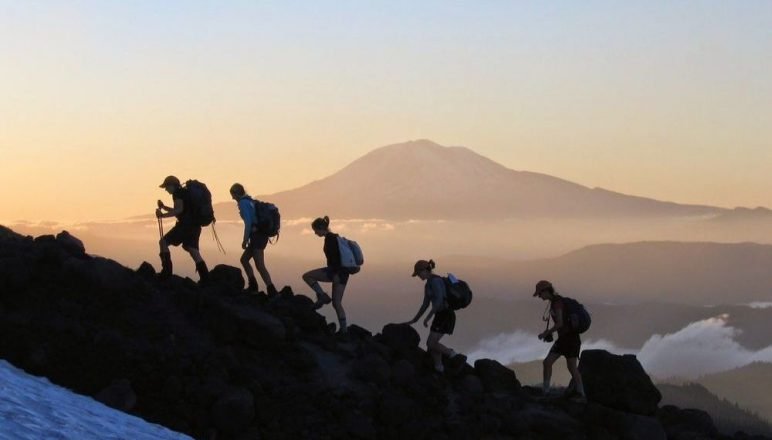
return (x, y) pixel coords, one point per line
(444, 322)
(257, 234)
(337, 271)
(187, 230)
(565, 313)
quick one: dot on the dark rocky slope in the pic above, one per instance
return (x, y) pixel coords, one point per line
(217, 363)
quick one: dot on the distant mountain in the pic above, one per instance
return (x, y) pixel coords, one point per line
(423, 180)
(749, 385)
(686, 273)
(729, 417)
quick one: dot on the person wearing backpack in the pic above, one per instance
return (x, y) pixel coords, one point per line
(186, 231)
(568, 344)
(444, 322)
(254, 242)
(335, 272)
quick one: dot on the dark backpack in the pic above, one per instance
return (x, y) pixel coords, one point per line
(268, 218)
(576, 316)
(458, 294)
(199, 203)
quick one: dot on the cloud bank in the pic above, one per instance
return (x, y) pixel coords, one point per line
(700, 348)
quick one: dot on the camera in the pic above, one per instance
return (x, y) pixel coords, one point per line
(547, 338)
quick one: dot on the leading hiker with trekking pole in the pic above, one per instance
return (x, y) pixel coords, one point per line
(186, 231)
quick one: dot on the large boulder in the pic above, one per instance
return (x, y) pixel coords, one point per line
(401, 338)
(618, 381)
(70, 243)
(495, 377)
(227, 276)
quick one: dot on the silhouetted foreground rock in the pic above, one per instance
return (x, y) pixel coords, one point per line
(618, 382)
(218, 363)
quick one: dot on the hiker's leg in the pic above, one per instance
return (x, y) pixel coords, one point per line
(244, 260)
(338, 289)
(435, 349)
(576, 376)
(195, 254)
(251, 280)
(166, 258)
(259, 256)
(547, 369)
(313, 278)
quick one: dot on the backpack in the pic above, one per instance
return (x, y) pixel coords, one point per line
(458, 294)
(576, 315)
(200, 203)
(351, 256)
(268, 218)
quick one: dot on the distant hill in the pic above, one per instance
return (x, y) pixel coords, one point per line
(674, 272)
(728, 417)
(750, 385)
(424, 180)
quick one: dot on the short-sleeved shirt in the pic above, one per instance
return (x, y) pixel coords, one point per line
(182, 194)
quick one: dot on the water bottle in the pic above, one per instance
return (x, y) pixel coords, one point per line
(452, 278)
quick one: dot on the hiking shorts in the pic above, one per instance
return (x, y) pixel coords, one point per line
(341, 273)
(444, 322)
(568, 345)
(257, 241)
(186, 234)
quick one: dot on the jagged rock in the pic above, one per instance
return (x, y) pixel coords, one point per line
(234, 411)
(618, 381)
(118, 395)
(71, 244)
(496, 377)
(146, 270)
(227, 276)
(400, 338)
(686, 423)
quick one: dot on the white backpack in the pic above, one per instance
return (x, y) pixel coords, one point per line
(351, 256)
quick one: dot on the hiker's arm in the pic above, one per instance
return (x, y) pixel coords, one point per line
(177, 210)
(558, 322)
(421, 311)
(162, 206)
(247, 213)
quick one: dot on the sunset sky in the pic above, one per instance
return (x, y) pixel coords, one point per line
(99, 100)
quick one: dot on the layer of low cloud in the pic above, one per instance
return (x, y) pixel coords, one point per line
(703, 347)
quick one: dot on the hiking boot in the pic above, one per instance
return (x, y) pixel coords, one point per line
(166, 265)
(271, 290)
(252, 285)
(203, 272)
(321, 300)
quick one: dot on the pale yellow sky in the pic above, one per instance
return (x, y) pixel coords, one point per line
(98, 101)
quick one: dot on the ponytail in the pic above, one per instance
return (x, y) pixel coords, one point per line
(432, 265)
(321, 223)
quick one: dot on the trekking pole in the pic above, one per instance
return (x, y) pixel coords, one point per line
(217, 240)
(160, 222)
